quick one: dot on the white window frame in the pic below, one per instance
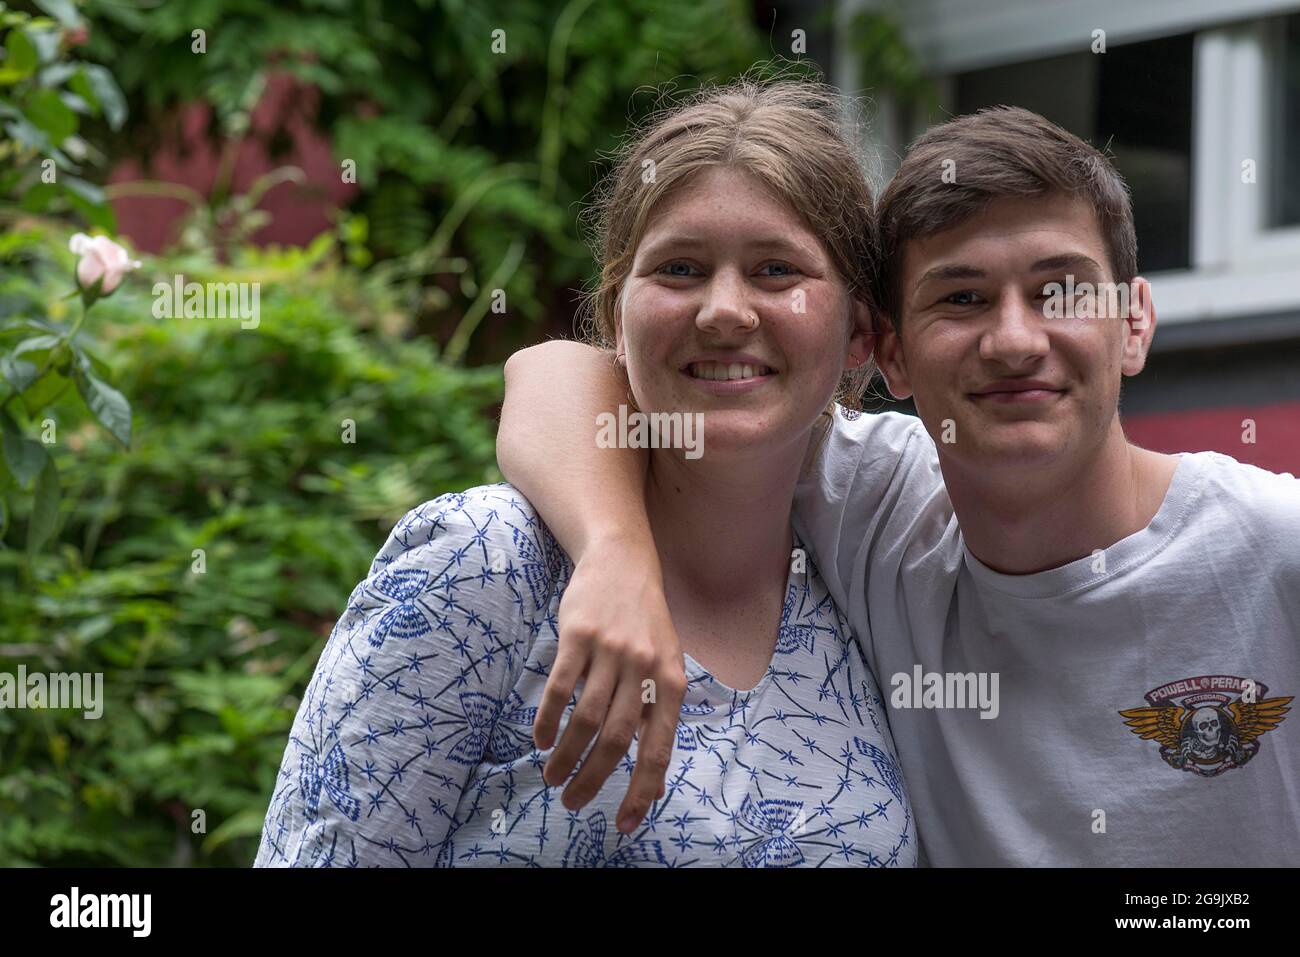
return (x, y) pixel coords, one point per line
(1240, 265)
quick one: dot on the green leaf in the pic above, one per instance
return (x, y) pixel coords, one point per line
(45, 507)
(59, 73)
(108, 405)
(245, 823)
(87, 191)
(21, 61)
(45, 391)
(23, 372)
(107, 94)
(37, 344)
(46, 110)
(65, 11)
(13, 304)
(47, 40)
(90, 362)
(95, 214)
(18, 373)
(25, 457)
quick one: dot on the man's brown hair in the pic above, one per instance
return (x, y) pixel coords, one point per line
(1002, 151)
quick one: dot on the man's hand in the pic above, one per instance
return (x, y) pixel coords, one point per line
(615, 631)
(617, 634)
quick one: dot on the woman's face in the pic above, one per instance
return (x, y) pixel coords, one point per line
(733, 309)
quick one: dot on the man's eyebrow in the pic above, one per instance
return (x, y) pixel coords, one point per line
(958, 271)
(951, 272)
(1066, 261)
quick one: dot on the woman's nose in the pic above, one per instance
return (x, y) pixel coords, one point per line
(726, 307)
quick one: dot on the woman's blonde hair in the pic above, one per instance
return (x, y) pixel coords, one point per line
(798, 136)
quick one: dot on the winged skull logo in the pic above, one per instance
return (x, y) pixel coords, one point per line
(1209, 724)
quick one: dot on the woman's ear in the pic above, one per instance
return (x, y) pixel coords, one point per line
(892, 362)
(620, 347)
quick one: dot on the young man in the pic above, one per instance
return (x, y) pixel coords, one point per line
(1090, 648)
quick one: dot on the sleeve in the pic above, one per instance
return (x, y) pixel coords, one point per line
(405, 696)
(868, 482)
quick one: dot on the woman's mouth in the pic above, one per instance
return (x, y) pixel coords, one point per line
(727, 371)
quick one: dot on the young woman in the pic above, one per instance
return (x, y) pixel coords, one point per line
(734, 242)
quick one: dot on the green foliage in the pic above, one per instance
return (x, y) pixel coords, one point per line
(200, 571)
(886, 61)
(466, 142)
(44, 95)
(239, 450)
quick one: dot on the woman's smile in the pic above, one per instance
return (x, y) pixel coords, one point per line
(728, 378)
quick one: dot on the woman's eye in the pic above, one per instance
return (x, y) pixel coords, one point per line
(677, 270)
(783, 270)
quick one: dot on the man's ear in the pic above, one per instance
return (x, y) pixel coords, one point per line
(862, 336)
(1140, 326)
(893, 365)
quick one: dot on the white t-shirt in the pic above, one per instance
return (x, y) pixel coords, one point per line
(1140, 715)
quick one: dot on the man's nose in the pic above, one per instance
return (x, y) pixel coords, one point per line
(1018, 333)
(726, 308)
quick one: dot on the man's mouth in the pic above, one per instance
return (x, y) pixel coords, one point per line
(1018, 390)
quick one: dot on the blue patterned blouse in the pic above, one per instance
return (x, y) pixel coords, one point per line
(413, 743)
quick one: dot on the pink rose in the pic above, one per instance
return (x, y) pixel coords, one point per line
(100, 257)
(77, 36)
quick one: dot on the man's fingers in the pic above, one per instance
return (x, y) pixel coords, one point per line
(654, 751)
(569, 665)
(583, 724)
(615, 740)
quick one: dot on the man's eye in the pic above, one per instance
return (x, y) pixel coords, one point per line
(963, 298)
(678, 270)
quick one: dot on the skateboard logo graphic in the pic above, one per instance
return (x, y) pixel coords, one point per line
(1209, 724)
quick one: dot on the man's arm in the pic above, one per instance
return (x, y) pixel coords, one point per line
(615, 629)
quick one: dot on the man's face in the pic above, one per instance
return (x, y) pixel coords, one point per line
(996, 381)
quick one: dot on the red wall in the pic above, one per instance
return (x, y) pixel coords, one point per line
(1277, 433)
(299, 213)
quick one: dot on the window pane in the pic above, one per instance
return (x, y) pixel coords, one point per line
(1136, 101)
(1286, 129)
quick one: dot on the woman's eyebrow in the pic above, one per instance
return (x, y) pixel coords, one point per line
(781, 244)
(671, 243)
(766, 244)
